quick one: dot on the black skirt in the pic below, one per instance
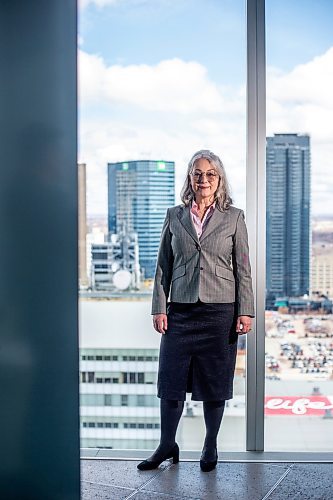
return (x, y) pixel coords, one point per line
(198, 352)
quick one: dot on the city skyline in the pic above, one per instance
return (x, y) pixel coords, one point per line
(154, 86)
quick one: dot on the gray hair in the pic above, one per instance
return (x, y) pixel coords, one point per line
(222, 194)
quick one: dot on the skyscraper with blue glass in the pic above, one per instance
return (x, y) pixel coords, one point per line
(288, 216)
(139, 193)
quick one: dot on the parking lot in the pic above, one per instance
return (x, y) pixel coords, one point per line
(299, 347)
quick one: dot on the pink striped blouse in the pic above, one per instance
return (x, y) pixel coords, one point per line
(199, 224)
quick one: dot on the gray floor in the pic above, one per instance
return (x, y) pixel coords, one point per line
(119, 479)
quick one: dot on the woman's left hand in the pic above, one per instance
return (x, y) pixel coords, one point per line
(243, 324)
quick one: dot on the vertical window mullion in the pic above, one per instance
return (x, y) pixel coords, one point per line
(256, 223)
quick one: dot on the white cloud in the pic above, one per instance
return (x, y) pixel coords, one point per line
(99, 3)
(302, 101)
(171, 85)
(91, 78)
(106, 3)
(309, 83)
(104, 142)
(169, 110)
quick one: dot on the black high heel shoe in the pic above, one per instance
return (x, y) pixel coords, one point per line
(153, 464)
(206, 466)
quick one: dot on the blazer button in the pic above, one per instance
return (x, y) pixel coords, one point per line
(198, 246)
(201, 268)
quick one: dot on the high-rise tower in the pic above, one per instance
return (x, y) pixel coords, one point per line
(139, 193)
(288, 216)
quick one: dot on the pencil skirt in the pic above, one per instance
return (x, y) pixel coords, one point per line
(198, 352)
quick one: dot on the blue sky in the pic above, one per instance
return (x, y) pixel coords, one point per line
(160, 78)
(147, 32)
(297, 31)
(136, 32)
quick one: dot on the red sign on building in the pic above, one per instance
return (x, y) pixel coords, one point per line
(298, 405)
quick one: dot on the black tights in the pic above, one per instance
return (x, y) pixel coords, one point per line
(213, 413)
(172, 410)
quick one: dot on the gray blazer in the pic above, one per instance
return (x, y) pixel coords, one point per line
(215, 268)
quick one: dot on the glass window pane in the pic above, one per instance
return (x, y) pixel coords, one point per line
(157, 81)
(299, 342)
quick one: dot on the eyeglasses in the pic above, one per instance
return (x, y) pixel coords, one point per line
(210, 175)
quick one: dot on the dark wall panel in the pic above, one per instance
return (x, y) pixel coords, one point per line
(39, 407)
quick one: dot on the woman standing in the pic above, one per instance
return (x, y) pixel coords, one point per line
(203, 269)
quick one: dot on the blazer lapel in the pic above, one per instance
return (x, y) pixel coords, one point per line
(185, 218)
(216, 219)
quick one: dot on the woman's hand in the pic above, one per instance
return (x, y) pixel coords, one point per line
(160, 322)
(243, 324)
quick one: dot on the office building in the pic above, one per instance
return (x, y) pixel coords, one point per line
(115, 264)
(322, 271)
(118, 371)
(82, 201)
(119, 407)
(139, 193)
(288, 216)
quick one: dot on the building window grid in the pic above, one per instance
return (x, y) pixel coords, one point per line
(123, 425)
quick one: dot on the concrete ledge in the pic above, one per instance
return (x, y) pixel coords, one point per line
(187, 455)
